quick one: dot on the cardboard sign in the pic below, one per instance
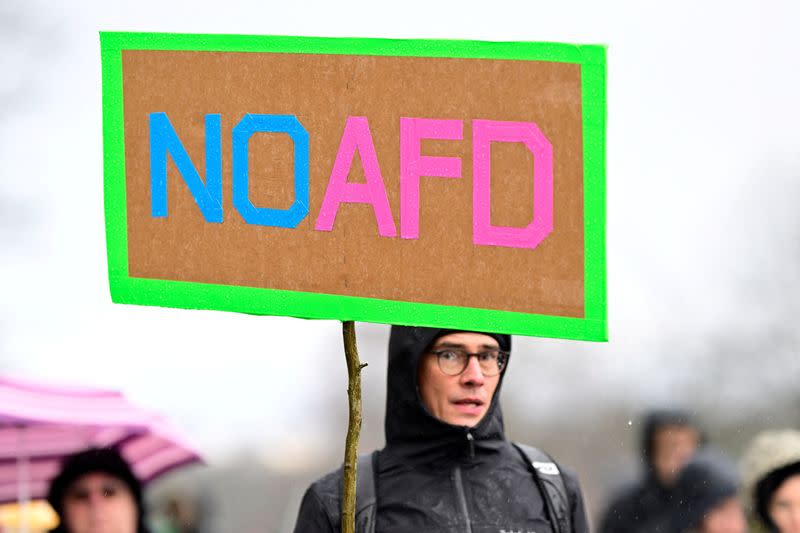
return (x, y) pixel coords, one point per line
(441, 183)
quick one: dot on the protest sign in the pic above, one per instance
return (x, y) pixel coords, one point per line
(456, 184)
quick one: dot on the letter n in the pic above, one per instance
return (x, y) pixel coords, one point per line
(163, 141)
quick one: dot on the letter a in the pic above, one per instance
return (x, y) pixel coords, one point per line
(356, 136)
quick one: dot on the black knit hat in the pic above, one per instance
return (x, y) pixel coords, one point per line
(94, 460)
(705, 482)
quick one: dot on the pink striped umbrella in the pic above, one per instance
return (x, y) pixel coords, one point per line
(42, 424)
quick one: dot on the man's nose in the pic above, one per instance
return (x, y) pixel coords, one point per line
(472, 375)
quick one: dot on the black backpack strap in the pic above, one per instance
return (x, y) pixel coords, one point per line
(551, 484)
(366, 492)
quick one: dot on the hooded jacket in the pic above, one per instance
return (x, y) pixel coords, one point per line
(646, 505)
(434, 477)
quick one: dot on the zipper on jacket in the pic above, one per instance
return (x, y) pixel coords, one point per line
(461, 498)
(471, 441)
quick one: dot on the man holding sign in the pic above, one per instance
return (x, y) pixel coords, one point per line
(449, 184)
(447, 465)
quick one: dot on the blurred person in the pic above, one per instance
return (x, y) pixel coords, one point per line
(771, 479)
(705, 497)
(96, 492)
(179, 516)
(670, 438)
(447, 466)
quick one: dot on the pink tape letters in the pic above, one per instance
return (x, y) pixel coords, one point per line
(356, 136)
(413, 165)
(484, 132)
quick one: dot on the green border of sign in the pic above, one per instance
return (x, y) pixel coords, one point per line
(188, 295)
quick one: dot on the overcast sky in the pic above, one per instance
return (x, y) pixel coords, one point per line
(703, 181)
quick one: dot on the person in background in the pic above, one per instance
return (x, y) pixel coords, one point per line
(179, 516)
(771, 481)
(705, 497)
(96, 492)
(670, 438)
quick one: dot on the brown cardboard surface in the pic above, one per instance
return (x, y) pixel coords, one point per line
(443, 266)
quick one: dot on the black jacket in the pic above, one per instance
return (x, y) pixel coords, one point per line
(707, 481)
(646, 506)
(434, 477)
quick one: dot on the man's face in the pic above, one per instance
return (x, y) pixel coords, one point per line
(784, 506)
(99, 503)
(673, 446)
(460, 400)
(727, 517)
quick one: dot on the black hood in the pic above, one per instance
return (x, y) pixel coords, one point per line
(659, 418)
(411, 431)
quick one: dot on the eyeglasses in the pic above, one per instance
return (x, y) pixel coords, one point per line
(453, 361)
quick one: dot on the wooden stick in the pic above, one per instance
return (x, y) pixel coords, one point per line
(354, 367)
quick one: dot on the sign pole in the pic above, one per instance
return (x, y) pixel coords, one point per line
(354, 367)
